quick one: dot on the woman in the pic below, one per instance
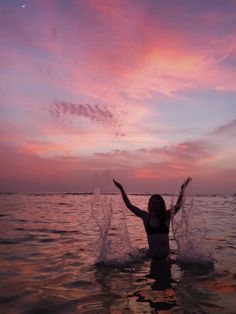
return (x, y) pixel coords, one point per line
(157, 220)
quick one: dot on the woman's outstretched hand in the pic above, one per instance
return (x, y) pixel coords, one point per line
(117, 184)
(186, 182)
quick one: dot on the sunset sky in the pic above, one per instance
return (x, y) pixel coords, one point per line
(142, 91)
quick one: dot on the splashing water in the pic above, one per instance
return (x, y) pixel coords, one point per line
(101, 213)
(113, 244)
(190, 234)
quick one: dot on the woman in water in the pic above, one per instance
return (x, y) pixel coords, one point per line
(157, 220)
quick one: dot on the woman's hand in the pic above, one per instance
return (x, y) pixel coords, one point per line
(186, 182)
(117, 184)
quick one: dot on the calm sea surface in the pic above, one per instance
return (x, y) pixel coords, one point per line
(50, 245)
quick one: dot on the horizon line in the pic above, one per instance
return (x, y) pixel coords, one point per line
(114, 193)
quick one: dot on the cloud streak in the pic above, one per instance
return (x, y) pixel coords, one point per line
(228, 129)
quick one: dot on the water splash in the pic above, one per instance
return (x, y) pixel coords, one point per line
(102, 214)
(113, 244)
(190, 234)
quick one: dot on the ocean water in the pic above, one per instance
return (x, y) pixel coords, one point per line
(72, 253)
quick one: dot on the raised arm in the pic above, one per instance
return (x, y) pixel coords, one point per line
(137, 211)
(181, 195)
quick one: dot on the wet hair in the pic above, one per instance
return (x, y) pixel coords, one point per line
(162, 214)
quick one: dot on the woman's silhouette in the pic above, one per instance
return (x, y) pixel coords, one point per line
(156, 220)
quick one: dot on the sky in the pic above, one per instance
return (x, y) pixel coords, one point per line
(140, 91)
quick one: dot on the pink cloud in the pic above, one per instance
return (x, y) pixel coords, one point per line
(144, 55)
(141, 170)
(172, 161)
(162, 58)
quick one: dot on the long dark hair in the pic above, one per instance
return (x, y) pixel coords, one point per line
(162, 214)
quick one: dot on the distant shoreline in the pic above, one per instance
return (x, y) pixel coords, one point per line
(111, 193)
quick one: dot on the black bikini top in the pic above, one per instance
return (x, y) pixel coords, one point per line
(162, 229)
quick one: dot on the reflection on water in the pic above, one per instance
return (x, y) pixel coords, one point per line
(160, 271)
(159, 294)
(48, 260)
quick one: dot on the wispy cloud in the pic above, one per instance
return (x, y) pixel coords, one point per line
(228, 129)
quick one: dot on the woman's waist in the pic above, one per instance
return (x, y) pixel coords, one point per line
(159, 252)
(158, 237)
(158, 240)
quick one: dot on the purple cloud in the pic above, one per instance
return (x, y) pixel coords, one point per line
(97, 113)
(189, 150)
